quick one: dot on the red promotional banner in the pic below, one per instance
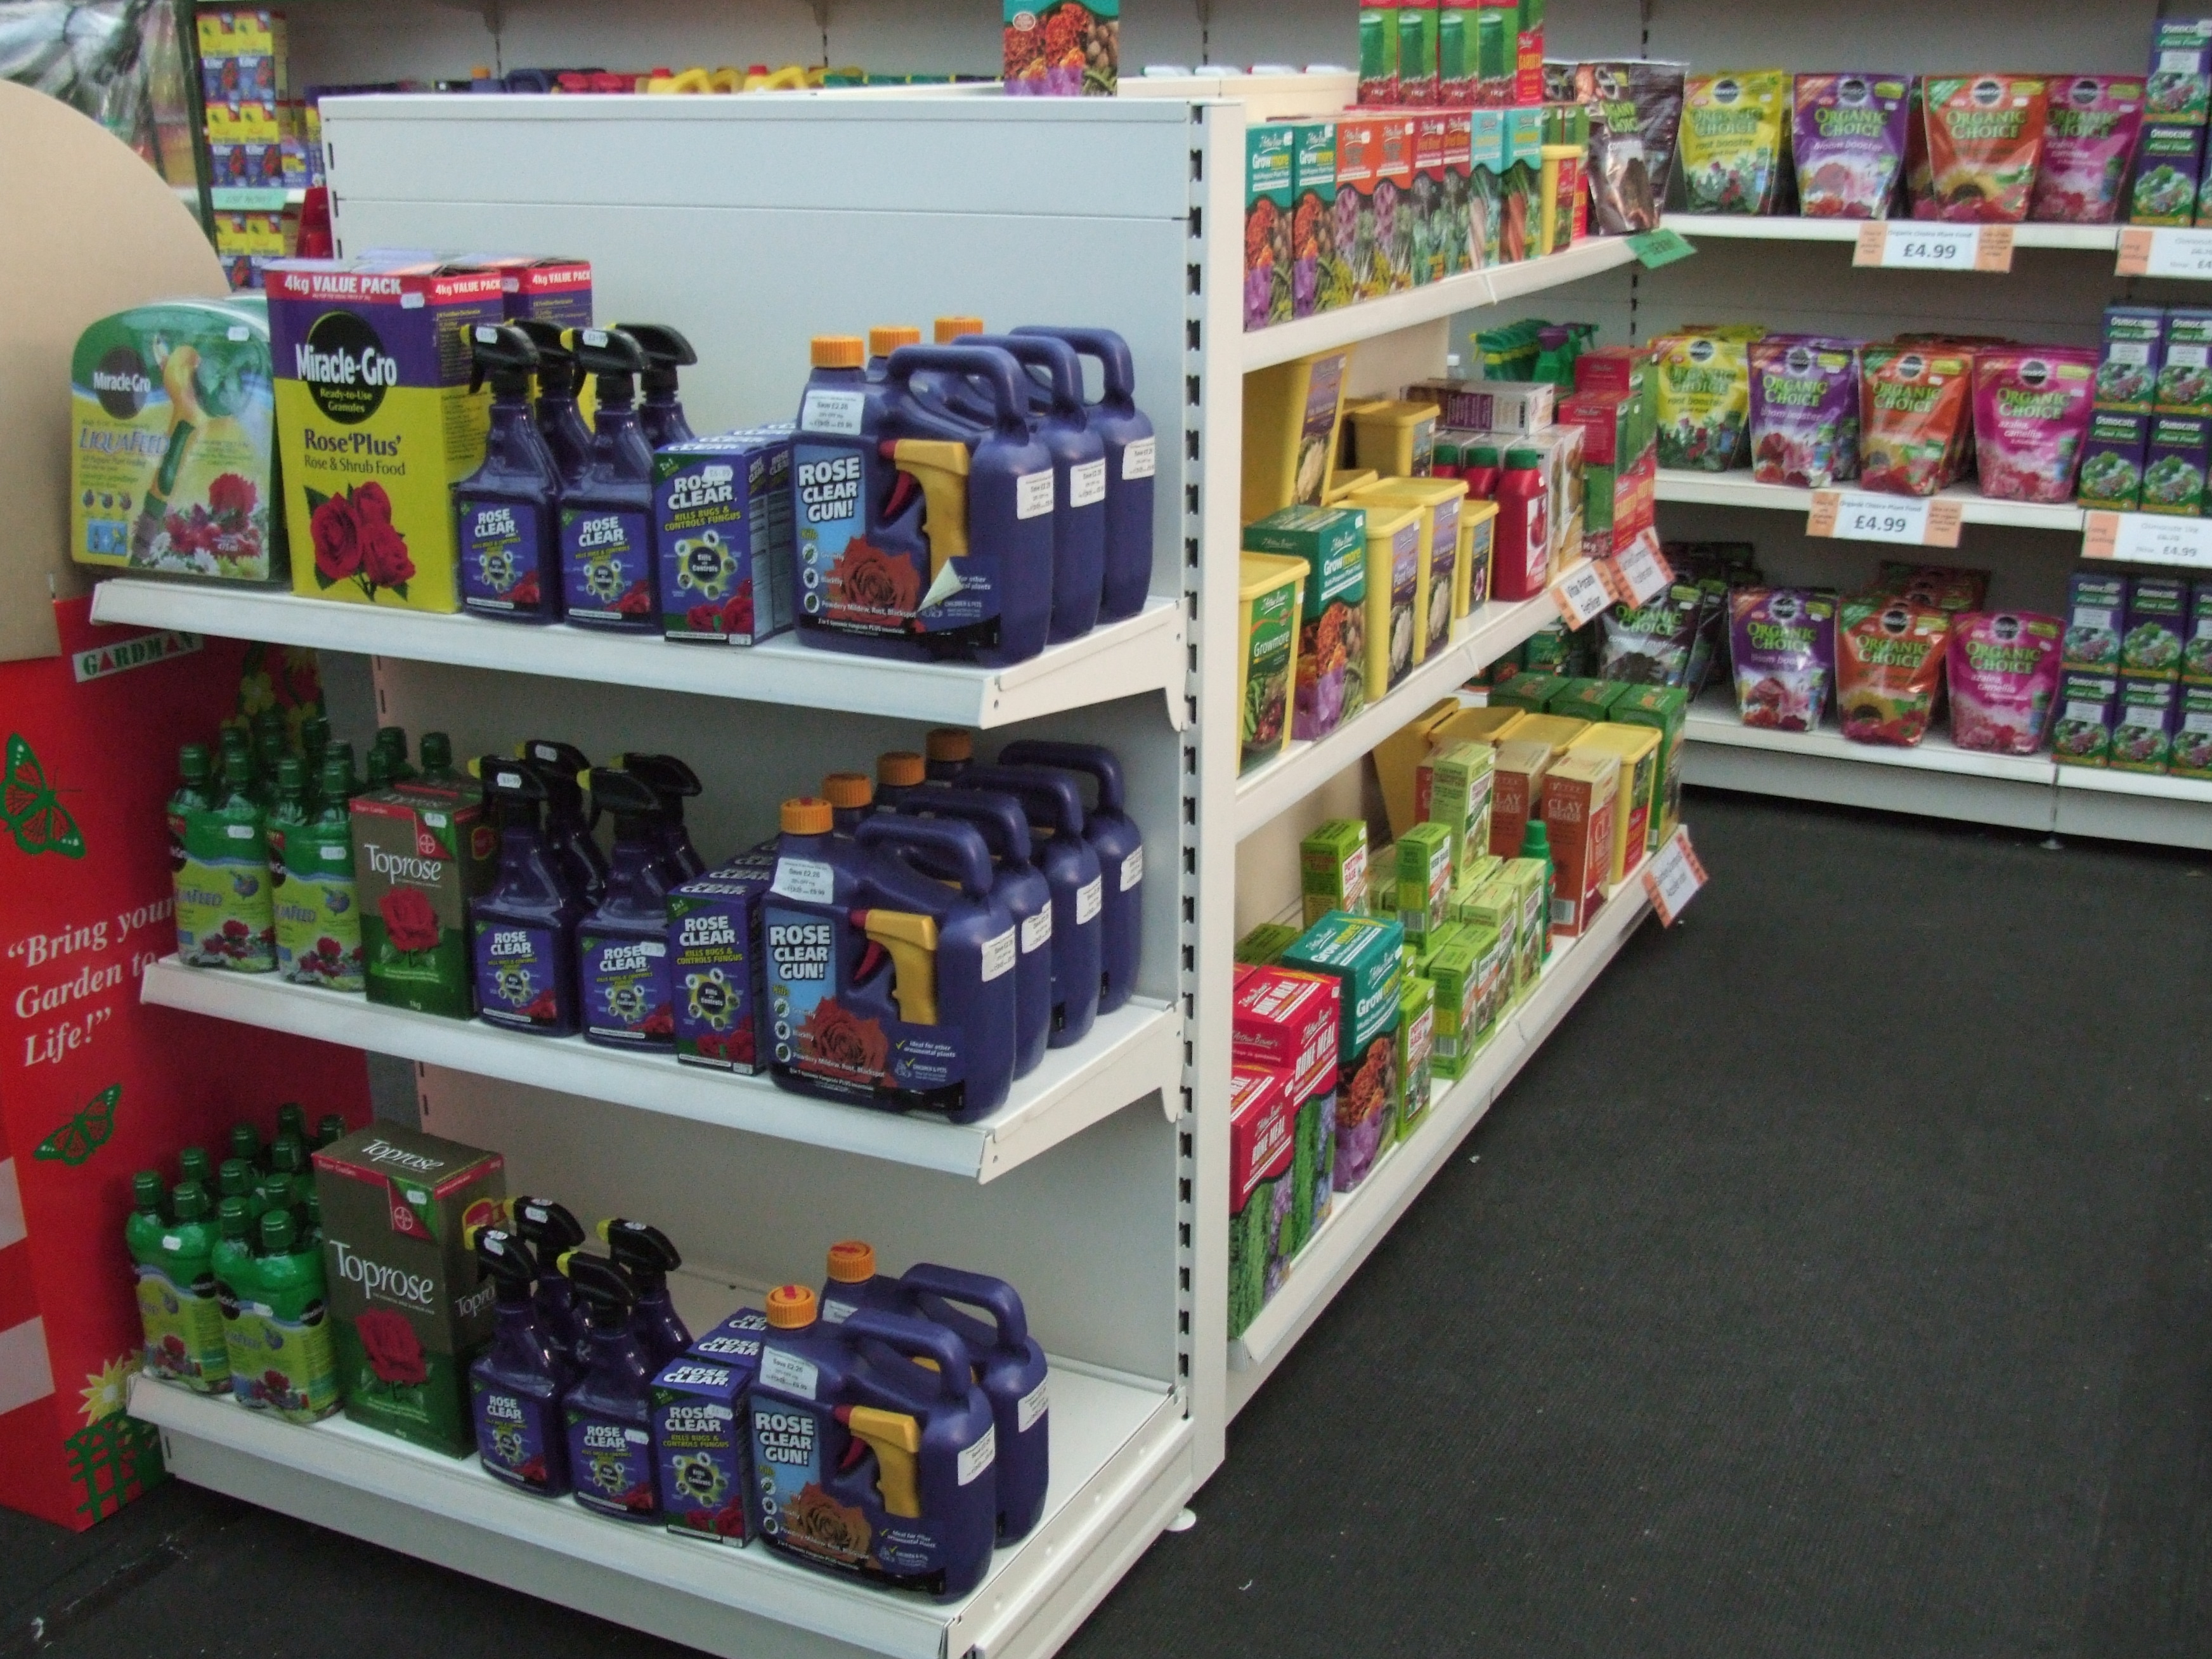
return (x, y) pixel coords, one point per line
(93, 1084)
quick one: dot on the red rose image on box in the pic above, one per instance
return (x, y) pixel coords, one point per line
(837, 1042)
(410, 922)
(354, 540)
(869, 585)
(395, 1353)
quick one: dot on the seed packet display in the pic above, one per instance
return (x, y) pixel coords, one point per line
(1650, 644)
(2031, 408)
(1849, 136)
(2004, 675)
(1889, 667)
(1914, 407)
(1783, 645)
(1735, 129)
(1804, 412)
(1984, 135)
(2094, 123)
(1704, 401)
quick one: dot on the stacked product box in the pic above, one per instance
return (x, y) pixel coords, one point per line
(2117, 446)
(1283, 1118)
(2169, 160)
(1613, 405)
(2136, 687)
(256, 141)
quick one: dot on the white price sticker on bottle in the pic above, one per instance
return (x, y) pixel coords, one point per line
(1916, 245)
(2149, 538)
(1673, 875)
(2149, 252)
(1639, 573)
(1868, 515)
(1580, 594)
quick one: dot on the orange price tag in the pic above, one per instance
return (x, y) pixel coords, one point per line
(1920, 244)
(1866, 515)
(1581, 593)
(1673, 875)
(2146, 251)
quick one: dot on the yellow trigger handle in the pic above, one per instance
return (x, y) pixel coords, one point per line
(895, 1438)
(940, 467)
(912, 941)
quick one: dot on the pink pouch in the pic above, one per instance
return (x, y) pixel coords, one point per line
(2094, 119)
(2032, 407)
(2003, 670)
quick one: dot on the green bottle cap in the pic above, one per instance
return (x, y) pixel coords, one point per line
(193, 765)
(336, 783)
(190, 1201)
(1482, 455)
(289, 1155)
(292, 1120)
(235, 1220)
(1535, 841)
(1525, 460)
(277, 1233)
(235, 1179)
(193, 1164)
(436, 752)
(393, 740)
(329, 1127)
(291, 777)
(378, 771)
(146, 1190)
(245, 1142)
(275, 1192)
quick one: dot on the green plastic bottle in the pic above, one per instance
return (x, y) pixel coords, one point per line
(224, 918)
(312, 1239)
(310, 863)
(245, 1143)
(379, 771)
(314, 749)
(436, 753)
(393, 740)
(1536, 843)
(329, 1127)
(288, 1158)
(291, 1119)
(177, 1306)
(300, 1376)
(236, 1291)
(235, 1178)
(192, 1165)
(270, 751)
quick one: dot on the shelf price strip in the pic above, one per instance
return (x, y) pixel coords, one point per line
(1910, 245)
(2149, 538)
(1673, 875)
(1865, 515)
(2145, 252)
(1580, 594)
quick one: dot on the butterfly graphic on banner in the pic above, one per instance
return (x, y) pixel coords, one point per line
(84, 1133)
(32, 807)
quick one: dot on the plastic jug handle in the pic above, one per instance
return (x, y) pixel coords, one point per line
(999, 373)
(959, 845)
(1112, 353)
(1056, 357)
(993, 1296)
(917, 1338)
(999, 818)
(1044, 794)
(1086, 757)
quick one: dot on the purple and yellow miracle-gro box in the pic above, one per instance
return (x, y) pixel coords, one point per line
(375, 420)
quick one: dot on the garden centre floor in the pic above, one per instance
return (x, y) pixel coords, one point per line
(1837, 1281)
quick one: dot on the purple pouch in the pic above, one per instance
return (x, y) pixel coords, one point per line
(1784, 643)
(2094, 119)
(1850, 132)
(1804, 412)
(2004, 669)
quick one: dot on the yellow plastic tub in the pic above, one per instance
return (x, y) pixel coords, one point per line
(1478, 540)
(1393, 573)
(1638, 804)
(1342, 486)
(1398, 439)
(1269, 595)
(1555, 732)
(1292, 412)
(1436, 593)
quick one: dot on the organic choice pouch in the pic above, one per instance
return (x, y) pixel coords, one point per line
(1985, 141)
(2004, 668)
(1849, 133)
(1636, 117)
(1784, 647)
(172, 463)
(1946, 588)
(1650, 644)
(2032, 407)
(1704, 397)
(1734, 141)
(2091, 137)
(1913, 404)
(1804, 413)
(1889, 665)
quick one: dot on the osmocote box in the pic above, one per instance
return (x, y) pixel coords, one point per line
(409, 1307)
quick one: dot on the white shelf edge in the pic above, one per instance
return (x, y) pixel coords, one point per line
(1733, 226)
(1739, 488)
(1359, 1218)
(1713, 719)
(1263, 347)
(1139, 655)
(1121, 1460)
(1130, 1054)
(1488, 634)
(2150, 785)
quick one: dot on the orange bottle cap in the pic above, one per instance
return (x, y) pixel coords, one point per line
(950, 328)
(839, 351)
(790, 1308)
(852, 1262)
(900, 768)
(950, 743)
(804, 815)
(848, 789)
(882, 342)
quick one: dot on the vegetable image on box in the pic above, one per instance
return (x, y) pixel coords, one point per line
(886, 986)
(505, 512)
(516, 1384)
(1120, 845)
(1020, 885)
(921, 536)
(1131, 460)
(646, 1258)
(1055, 806)
(872, 1450)
(551, 1231)
(608, 1409)
(660, 415)
(623, 943)
(609, 576)
(558, 766)
(559, 420)
(674, 783)
(523, 932)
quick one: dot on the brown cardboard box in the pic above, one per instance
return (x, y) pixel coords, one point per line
(1580, 795)
(1517, 784)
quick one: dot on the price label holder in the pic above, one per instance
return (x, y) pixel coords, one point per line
(1915, 245)
(1580, 594)
(1866, 515)
(1672, 876)
(1655, 248)
(2149, 538)
(2149, 252)
(1638, 573)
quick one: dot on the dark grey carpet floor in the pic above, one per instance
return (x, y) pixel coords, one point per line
(1839, 1283)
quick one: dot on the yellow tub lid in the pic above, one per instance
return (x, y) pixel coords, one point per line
(1391, 411)
(1557, 732)
(1487, 725)
(1384, 521)
(1411, 492)
(1259, 572)
(1338, 491)
(1474, 513)
(1631, 743)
